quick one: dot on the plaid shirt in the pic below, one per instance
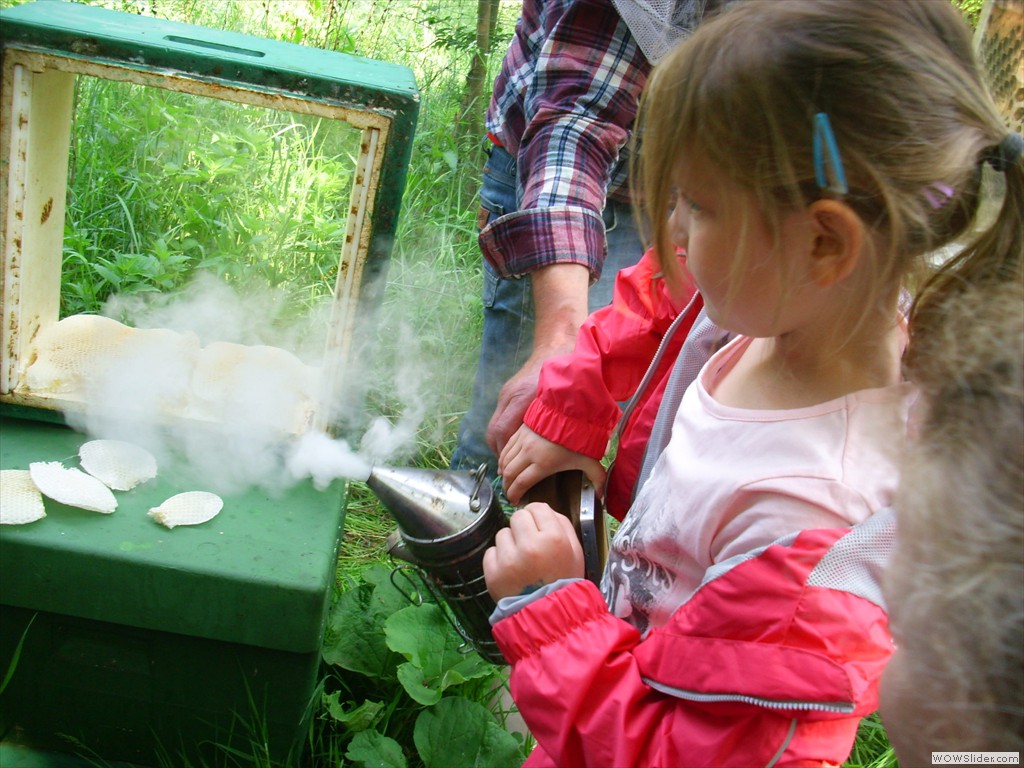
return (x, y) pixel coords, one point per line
(563, 105)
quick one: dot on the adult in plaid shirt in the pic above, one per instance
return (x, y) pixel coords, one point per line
(555, 210)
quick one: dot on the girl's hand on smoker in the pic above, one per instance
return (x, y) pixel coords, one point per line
(528, 458)
(539, 547)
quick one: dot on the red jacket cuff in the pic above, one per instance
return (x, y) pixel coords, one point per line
(550, 619)
(581, 436)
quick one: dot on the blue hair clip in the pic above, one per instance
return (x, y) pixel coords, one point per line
(825, 140)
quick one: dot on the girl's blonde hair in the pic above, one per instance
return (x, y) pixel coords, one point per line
(899, 83)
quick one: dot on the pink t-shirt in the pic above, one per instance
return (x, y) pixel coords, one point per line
(732, 480)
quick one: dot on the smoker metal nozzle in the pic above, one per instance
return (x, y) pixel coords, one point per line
(430, 504)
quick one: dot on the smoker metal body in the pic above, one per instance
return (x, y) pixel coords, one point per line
(448, 519)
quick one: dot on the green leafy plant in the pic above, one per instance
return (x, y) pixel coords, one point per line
(163, 184)
(411, 693)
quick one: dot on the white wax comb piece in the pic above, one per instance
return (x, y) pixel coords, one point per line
(72, 487)
(120, 465)
(189, 508)
(20, 500)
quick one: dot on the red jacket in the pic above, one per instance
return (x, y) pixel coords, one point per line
(773, 661)
(579, 395)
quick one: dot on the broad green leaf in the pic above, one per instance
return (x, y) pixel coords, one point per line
(355, 631)
(423, 690)
(355, 636)
(356, 719)
(374, 750)
(435, 653)
(387, 597)
(109, 275)
(460, 732)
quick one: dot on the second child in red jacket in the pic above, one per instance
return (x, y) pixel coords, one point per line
(624, 354)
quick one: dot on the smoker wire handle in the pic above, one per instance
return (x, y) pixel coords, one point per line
(416, 598)
(481, 477)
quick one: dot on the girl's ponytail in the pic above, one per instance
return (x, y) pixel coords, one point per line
(995, 255)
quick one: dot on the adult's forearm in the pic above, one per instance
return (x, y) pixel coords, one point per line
(560, 307)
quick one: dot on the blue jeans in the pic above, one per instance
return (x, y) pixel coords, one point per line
(508, 309)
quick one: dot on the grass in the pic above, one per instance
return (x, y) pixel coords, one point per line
(162, 188)
(367, 526)
(164, 185)
(872, 748)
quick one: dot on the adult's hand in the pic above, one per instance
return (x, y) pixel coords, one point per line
(513, 400)
(560, 307)
(528, 458)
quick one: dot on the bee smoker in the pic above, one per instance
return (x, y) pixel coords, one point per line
(447, 519)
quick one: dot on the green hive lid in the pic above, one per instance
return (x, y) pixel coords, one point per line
(144, 42)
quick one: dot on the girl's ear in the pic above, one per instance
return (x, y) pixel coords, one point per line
(838, 240)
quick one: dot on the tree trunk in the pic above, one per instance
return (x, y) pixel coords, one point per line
(474, 99)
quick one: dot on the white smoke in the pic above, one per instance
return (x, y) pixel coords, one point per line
(325, 460)
(225, 393)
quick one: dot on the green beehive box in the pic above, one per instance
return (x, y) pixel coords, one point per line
(141, 640)
(138, 643)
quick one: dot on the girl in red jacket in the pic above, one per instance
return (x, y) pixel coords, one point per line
(808, 155)
(624, 352)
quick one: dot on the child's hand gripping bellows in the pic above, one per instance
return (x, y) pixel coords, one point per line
(528, 458)
(539, 547)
